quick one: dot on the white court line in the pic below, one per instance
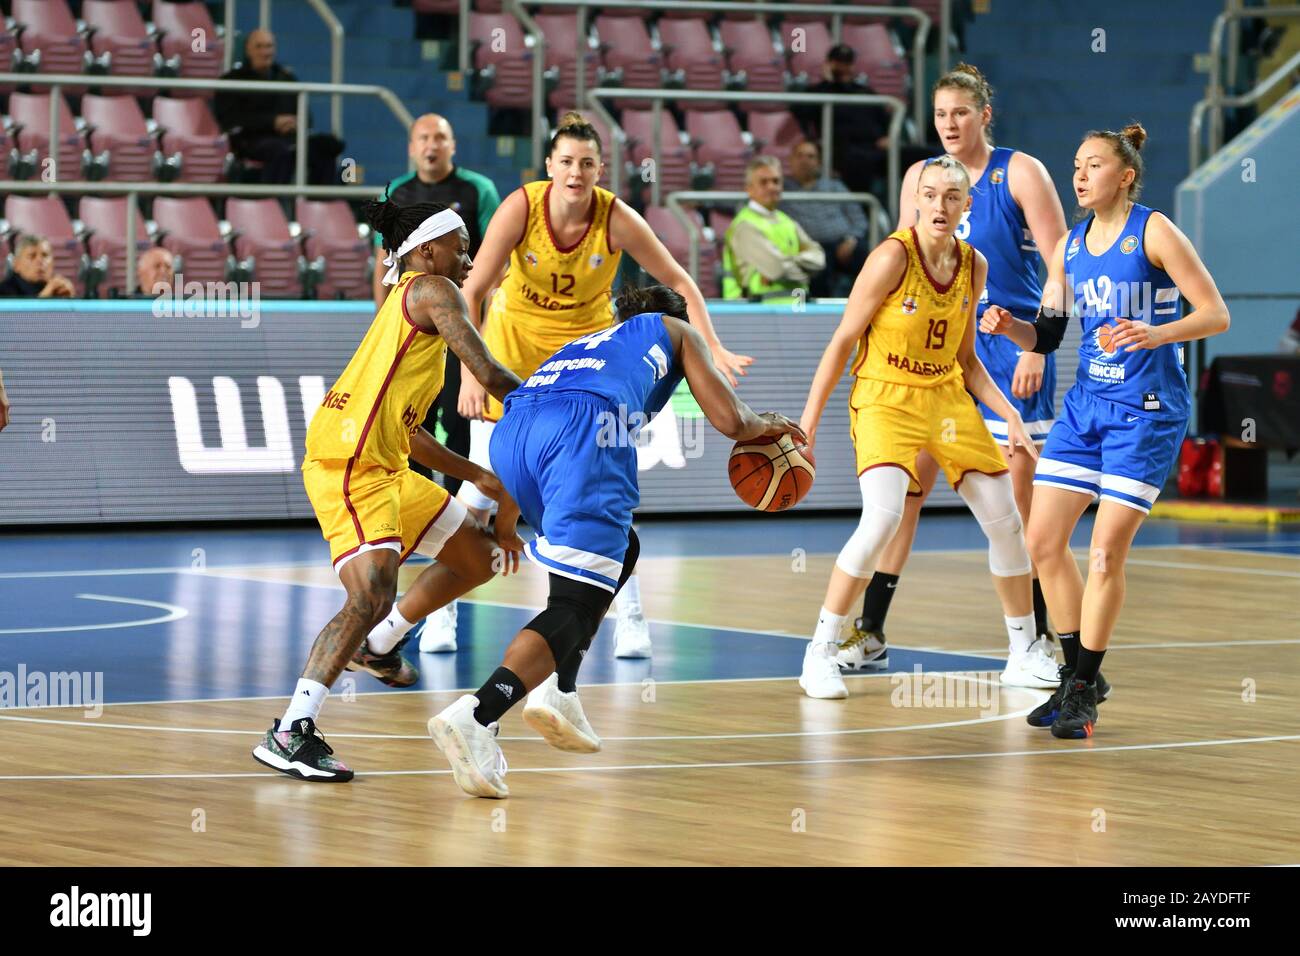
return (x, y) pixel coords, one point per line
(1197, 644)
(900, 758)
(174, 613)
(1038, 695)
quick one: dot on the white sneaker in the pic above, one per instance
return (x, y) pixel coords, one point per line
(821, 674)
(1035, 667)
(863, 650)
(438, 635)
(558, 717)
(632, 635)
(476, 759)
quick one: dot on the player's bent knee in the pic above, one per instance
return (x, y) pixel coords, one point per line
(1008, 556)
(875, 529)
(573, 613)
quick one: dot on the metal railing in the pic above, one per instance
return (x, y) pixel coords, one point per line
(332, 23)
(58, 80)
(826, 100)
(1245, 99)
(133, 192)
(675, 200)
(1215, 94)
(836, 13)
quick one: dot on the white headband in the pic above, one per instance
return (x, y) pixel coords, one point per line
(439, 224)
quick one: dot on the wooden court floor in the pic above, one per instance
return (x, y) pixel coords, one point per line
(1196, 760)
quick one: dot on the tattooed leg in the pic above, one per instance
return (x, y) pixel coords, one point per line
(371, 583)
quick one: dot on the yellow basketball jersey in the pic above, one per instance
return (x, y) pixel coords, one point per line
(551, 295)
(383, 394)
(914, 336)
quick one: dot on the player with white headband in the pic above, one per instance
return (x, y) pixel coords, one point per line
(374, 511)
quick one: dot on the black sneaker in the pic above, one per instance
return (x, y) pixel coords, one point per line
(302, 753)
(391, 668)
(1078, 714)
(1044, 715)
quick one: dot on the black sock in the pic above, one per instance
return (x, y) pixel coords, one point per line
(502, 691)
(1089, 664)
(1070, 645)
(1040, 610)
(875, 603)
(568, 670)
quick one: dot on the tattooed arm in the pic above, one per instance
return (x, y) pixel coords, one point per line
(436, 305)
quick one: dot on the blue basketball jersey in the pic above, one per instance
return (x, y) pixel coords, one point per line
(630, 364)
(1121, 283)
(995, 225)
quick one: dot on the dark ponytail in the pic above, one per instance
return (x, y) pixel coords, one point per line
(395, 223)
(633, 300)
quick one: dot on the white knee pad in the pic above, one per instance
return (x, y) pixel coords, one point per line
(884, 493)
(992, 500)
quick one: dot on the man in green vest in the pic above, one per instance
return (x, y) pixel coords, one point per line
(767, 256)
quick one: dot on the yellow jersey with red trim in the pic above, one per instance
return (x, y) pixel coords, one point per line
(551, 294)
(914, 336)
(381, 398)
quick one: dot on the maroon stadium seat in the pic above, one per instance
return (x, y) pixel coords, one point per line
(674, 236)
(688, 47)
(263, 234)
(511, 67)
(177, 23)
(46, 216)
(749, 47)
(717, 140)
(189, 128)
(106, 218)
(878, 57)
(4, 254)
(561, 31)
(808, 58)
(720, 221)
(8, 44)
(48, 26)
(775, 134)
(444, 7)
(191, 232)
(625, 45)
(674, 158)
(120, 31)
(117, 125)
(31, 111)
(6, 145)
(331, 231)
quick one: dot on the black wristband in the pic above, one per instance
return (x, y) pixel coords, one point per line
(1050, 326)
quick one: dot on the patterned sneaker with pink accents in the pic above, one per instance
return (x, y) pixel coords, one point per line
(301, 752)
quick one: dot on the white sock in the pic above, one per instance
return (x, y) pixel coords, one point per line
(1020, 631)
(828, 628)
(308, 698)
(629, 598)
(389, 631)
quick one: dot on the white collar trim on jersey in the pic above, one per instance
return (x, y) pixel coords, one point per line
(439, 224)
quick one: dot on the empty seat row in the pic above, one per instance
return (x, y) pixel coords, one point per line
(744, 54)
(112, 140)
(323, 253)
(42, 36)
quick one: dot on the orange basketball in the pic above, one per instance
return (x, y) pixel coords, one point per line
(771, 474)
(1104, 335)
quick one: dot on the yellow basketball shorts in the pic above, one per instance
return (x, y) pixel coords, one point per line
(891, 423)
(364, 507)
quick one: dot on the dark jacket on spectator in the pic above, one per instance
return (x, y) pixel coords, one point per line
(248, 116)
(16, 287)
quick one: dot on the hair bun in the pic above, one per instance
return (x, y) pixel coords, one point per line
(1135, 134)
(572, 118)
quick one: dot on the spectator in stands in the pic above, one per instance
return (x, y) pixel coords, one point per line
(33, 273)
(859, 134)
(263, 126)
(4, 404)
(154, 268)
(432, 148)
(840, 228)
(766, 255)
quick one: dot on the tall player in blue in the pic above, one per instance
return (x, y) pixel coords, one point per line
(565, 447)
(1015, 211)
(1123, 268)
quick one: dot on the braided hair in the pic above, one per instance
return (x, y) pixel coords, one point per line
(633, 300)
(395, 223)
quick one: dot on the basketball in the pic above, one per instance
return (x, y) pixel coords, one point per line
(771, 474)
(1104, 335)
